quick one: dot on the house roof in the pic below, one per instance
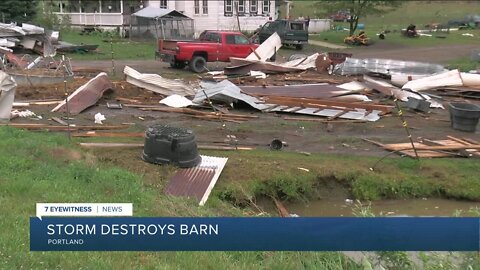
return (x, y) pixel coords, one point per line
(152, 12)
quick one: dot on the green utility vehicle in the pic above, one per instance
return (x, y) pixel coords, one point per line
(291, 32)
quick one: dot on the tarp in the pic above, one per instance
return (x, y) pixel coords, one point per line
(152, 12)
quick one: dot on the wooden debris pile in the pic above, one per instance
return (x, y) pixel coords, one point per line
(426, 148)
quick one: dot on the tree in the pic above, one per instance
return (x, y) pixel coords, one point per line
(17, 11)
(47, 18)
(358, 8)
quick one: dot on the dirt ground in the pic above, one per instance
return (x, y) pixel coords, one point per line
(299, 135)
(439, 55)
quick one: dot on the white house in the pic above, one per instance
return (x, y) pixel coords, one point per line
(222, 15)
(207, 14)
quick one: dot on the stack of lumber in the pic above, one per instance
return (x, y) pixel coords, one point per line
(426, 148)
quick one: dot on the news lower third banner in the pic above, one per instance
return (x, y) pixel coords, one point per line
(254, 234)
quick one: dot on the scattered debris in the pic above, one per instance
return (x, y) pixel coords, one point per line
(60, 121)
(157, 83)
(23, 114)
(176, 101)
(114, 105)
(267, 49)
(7, 95)
(99, 118)
(86, 95)
(450, 147)
(352, 66)
(197, 182)
(64, 128)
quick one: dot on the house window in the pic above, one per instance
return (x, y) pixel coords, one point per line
(228, 7)
(241, 7)
(196, 5)
(266, 7)
(253, 7)
(205, 6)
(163, 3)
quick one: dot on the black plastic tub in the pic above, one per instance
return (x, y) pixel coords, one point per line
(464, 116)
(170, 145)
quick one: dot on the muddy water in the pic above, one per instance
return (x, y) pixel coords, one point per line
(411, 207)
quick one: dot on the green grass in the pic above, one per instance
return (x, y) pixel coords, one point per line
(277, 174)
(43, 167)
(420, 13)
(122, 48)
(416, 12)
(464, 64)
(395, 38)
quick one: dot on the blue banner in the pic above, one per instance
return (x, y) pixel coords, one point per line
(254, 234)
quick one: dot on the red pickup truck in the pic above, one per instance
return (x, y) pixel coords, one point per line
(211, 46)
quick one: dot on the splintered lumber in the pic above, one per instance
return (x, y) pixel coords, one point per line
(282, 210)
(192, 111)
(219, 147)
(60, 121)
(308, 102)
(110, 134)
(62, 128)
(318, 80)
(141, 145)
(433, 148)
(127, 100)
(322, 120)
(218, 119)
(112, 145)
(399, 147)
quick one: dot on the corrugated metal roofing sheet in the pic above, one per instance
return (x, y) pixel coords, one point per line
(157, 83)
(229, 92)
(197, 182)
(386, 66)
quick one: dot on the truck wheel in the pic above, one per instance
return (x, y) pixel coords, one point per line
(197, 64)
(299, 46)
(177, 64)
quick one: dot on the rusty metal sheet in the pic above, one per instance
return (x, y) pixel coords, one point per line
(191, 182)
(197, 182)
(86, 95)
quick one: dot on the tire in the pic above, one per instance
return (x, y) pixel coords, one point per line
(299, 47)
(178, 65)
(198, 64)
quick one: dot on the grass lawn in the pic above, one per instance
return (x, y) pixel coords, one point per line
(42, 167)
(46, 167)
(122, 48)
(419, 13)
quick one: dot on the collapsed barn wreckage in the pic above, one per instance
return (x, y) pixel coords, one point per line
(323, 87)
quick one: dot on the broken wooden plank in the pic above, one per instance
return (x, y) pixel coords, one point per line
(322, 120)
(110, 134)
(308, 102)
(282, 210)
(60, 121)
(112, 145)
(62, 128)
(426, 147)
(141, 145)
